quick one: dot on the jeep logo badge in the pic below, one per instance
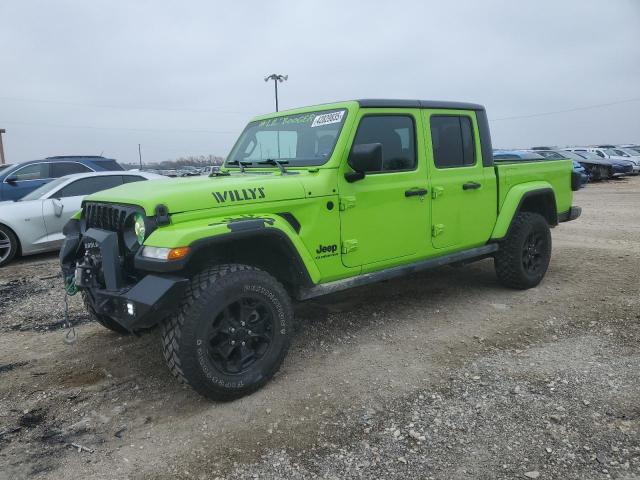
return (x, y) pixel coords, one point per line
(324, 251)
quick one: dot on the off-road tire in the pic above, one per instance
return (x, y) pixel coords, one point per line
(510, 260)
(184, 334)
(106, 322)
(7, 234)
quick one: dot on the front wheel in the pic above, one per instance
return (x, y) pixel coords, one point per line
(231, 332)
(8, 245)
(523, 257)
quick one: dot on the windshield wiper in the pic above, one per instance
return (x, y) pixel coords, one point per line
(239, 163)
(277, 163)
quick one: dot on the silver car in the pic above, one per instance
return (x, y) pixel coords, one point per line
(34, 223)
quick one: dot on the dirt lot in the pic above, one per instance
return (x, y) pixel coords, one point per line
(440, 375)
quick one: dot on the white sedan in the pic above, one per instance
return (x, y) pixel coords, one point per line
(34, 223)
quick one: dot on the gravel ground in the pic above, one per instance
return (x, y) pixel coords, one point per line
(441, 375)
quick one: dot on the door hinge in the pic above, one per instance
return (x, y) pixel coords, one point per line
(436, 192)
(347, 202)
(437, 229)
(349, 246)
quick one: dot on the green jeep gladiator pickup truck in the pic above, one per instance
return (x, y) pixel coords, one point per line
(309, 202)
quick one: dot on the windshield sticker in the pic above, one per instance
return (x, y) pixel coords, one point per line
(327, 118)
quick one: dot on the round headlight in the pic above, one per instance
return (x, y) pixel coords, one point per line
(138, 227)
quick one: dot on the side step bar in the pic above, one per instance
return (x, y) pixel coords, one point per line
(366, 278)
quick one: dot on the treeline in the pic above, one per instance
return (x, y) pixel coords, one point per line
(200, 161)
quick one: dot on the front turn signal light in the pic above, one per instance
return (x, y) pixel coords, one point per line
(178, 253)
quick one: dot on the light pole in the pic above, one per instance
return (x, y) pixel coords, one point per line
(276, 78)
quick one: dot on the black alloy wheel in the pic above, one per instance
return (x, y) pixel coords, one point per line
(240, 334)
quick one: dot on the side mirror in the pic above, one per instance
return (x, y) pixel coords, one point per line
(58, 207)
(365, 157)
(12, 179)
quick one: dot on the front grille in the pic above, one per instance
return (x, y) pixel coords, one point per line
(105, 216)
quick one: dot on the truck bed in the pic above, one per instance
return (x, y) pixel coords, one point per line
(556, 173)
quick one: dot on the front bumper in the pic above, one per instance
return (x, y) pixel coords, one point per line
(94, 260)
(142, 305)
(620, 170)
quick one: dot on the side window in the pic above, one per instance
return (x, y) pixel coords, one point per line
(132, 178)
(87, 186)
(396, 133)
(453, 142)
(60, 169)
(36, 171)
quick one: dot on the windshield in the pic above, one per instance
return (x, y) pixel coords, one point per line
(298, 140)
(613, 153)
(549, 154)
(589, 155)
(42, 190)
(6, 165)
(628, 151)
(571, 155)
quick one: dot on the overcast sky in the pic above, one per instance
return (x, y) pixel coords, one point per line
(182, 78)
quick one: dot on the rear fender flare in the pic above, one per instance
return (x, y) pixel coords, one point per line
(513, 203)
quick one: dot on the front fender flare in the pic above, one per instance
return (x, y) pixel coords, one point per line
(200, 234)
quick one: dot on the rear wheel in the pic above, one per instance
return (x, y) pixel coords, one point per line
(8, 245)
(231, 332)
(523, 257)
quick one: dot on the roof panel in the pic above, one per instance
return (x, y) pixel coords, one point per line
(405, 103)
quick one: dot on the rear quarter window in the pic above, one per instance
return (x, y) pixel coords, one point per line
(60, 169)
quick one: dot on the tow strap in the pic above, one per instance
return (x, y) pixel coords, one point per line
(70, 290)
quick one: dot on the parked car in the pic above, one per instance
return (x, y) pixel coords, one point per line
(188, 171)
(627, 152)
(616, 154)
(19, 179)
(584, 176)
(597, 168)
(208, 170)
(34, 223)
(619, 167)
(635, 148)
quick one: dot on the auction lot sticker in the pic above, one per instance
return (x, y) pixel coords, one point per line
(327, 118)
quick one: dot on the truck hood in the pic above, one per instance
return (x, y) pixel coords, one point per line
(196, 193)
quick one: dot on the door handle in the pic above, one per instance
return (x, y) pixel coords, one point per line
(416, 192)
(471, 186)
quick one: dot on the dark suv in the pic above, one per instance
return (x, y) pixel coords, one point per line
(22, 178)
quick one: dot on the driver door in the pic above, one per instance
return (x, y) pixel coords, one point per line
(384, 216)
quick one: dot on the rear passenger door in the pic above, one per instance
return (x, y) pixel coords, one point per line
(463, 207)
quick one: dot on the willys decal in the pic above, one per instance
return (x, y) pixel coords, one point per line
(239, 195)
